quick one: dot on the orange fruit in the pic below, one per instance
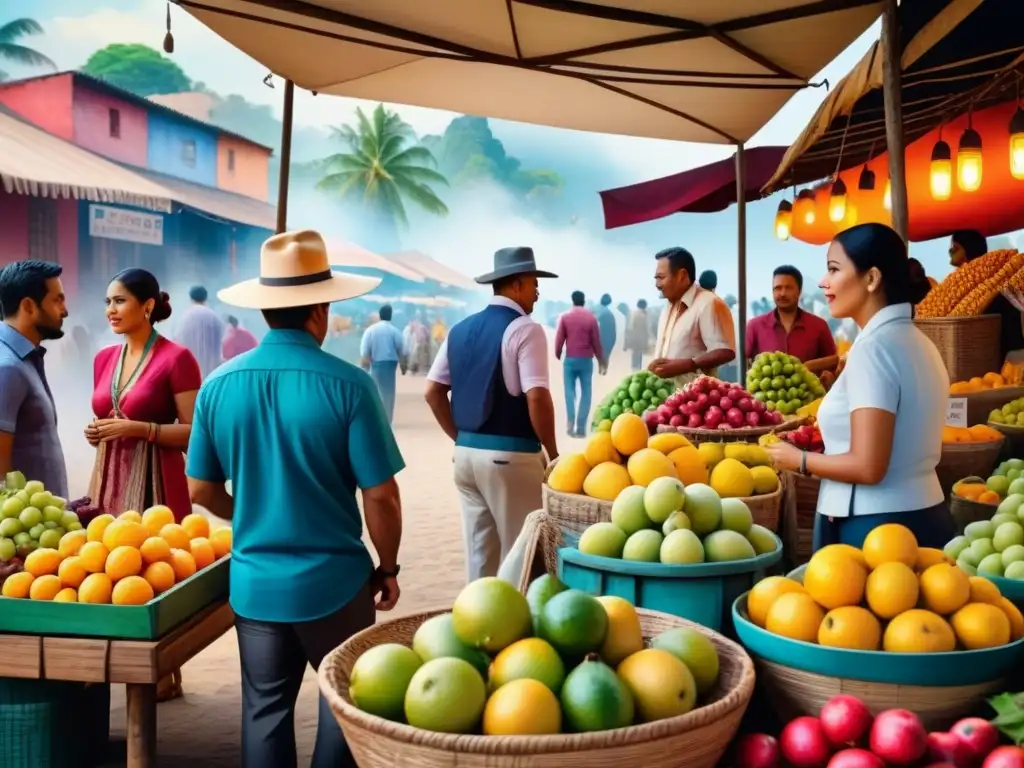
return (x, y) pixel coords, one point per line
(93, 556)
(1014, 615)
(155, 518)
(918, 631)
(183, 563)
(221, 540)
(124, 533)
(71, 572)
(44, 588)
(196, 526)
(983, 591)
(892, 588)
(764, 594)
(18, 585)
(980, 625)
(130, 516)
(928, 556)
(66, 595)
(94, 531)
(71, 542)
(989, 497)
(945, 589)
(890, 543)
(132, 590)
(96, 588)
(122, 563)
(43, 562)
(155, 550)
(835, 579)
(851, 627)
(795, 615)
(176, 536)
(160, 576)
(850, 551)
(202, 552)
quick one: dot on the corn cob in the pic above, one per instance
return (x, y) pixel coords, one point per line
(978, 299)
(948, 296)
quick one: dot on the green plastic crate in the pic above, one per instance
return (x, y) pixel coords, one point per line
(123, 622)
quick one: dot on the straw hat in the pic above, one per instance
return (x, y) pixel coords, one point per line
(295, 272)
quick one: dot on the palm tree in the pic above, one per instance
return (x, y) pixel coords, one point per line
(11, 50)
(384, 168)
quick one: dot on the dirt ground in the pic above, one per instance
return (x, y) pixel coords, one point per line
(202, 729)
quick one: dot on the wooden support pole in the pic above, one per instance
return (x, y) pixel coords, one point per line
(286, 155)
(892, 91)
(741, 259)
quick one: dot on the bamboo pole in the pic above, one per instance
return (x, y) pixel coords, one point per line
(892, 91)
(741, 267)
(286, 155)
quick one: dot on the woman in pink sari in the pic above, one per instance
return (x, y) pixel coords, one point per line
(144, 395)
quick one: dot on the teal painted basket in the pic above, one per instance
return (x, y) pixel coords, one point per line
(958, 668)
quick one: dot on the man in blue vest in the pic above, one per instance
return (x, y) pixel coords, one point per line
(500, 415)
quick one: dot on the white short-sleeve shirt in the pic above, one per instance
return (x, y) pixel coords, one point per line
(524, 354)
(894, 367)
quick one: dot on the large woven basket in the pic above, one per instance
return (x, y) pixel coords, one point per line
(960, 460)
(967, 511)
(699, 738)
(745, 434)
(766, 508)
(966, 344)
(799, 507)
(573, 510)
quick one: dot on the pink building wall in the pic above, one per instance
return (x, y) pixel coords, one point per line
(91, 112)
(13, 227)
(14, 234)
(251, 173)
(46, 102)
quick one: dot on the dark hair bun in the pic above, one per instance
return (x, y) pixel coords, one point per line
(919, 288)
(162, 308)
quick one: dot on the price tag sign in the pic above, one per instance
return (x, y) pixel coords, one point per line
(956, 412)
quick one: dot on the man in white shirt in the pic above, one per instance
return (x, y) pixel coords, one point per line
(696, 332)
(495, 366)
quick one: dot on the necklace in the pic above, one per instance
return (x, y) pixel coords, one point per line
(116, 391)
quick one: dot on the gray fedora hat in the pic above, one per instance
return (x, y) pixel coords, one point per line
(513, 261)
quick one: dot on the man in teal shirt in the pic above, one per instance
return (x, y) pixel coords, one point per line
(296, 431)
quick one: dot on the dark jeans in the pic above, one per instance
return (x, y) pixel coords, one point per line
(933, 527)
(274, 658)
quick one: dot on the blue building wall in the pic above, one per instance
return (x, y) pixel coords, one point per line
(166, 151)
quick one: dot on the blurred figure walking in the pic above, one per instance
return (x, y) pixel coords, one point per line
(606, 323)
(579, 335)
(237, 339)
(637, 335)
(201, 331)
(382, 352)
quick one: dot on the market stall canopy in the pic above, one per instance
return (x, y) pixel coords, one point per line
(433, 270)
(342, 254)
(210, 201)
(34, 162)
(710, 71)
(957, 55)
(706, 189)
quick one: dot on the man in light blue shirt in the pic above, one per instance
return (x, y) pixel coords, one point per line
(382, 351)
(296, 430)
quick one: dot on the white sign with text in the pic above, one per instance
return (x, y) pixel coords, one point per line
(121, 224)
(956, 412)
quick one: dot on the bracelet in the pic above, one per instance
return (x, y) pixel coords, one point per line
(803, 462)
(150, 432)
(156, 436)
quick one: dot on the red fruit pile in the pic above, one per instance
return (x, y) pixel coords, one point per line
(710, 403)
(806, 438)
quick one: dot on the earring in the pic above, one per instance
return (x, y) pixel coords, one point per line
(147, 317)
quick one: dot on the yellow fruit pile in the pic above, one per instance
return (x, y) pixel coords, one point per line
(126, 560)
(970, 289)
(979, 433)
(978, 384)
(890, 595)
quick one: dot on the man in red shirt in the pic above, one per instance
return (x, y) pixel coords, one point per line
(579, 333)
(237, 340)
(788, 328)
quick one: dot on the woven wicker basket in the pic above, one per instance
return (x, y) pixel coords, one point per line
(960, 460)
(795, 693)
(573, 510)
(966, 511)
(799, 507)
(766, 508)
(965, 343)
(745, 434)
(699, 737)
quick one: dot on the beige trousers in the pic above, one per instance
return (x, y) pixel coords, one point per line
(497, 489)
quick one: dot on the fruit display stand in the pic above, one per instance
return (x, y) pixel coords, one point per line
(702, 735)
(965, 343)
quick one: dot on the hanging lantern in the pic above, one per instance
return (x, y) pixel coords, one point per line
(940, 178)
(887, 195)
(866, 183)
(803, 208)
(784, 220)
(968, 161)
(837, 201)
(1017, 144)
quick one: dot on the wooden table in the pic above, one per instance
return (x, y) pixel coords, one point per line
(137, 664)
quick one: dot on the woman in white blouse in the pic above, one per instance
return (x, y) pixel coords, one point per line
(882, 420)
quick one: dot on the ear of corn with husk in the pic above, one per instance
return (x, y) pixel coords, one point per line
(971, 288)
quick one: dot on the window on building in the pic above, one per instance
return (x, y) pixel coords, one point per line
(231, 161)
(115, 123)
(42, 229)
(188, 153)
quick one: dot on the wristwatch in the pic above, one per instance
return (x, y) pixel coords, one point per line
(389, 574)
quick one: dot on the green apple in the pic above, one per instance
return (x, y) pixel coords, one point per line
(1004, 517)
(11, 527)
(59, 502)
(49, 524)
(1012, 554)
(1015, 463)
(982, 548)
(50, 513)
(968, 556)
(1012, 475)
(998, 483)
(1012, 502)
(36, 531)
(1014, 570)
(12, 507)
(7, 549)
(22, 497)
(1017, 487)
(67, 518)
(1007, 535)
(992, 565)
(14, 480)
(74, 526)
(980, 529)
(41, 500)
(51, 538)
(955, 546)
(23, 538)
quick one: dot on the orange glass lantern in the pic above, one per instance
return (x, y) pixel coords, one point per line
(1017, 144)
(784, 220)
(887, 195)
(968, 161)
(803, 208)
(940, 176)
(837, 201)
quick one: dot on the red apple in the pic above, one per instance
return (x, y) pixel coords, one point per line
(702, 401)
(676, 421)
(759, 406)
(1005, 757)
(803, 743)
(712, 419)
(756, 750)
(846, 720)
(855, 758)
(978, 736)
(898, 737)
(943, 746)
(695, 421)
(665, 411)
(735, 417)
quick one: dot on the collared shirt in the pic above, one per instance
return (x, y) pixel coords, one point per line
(382, 343)
(809, 338)
(579, 334)
(699, 323)
(524, 354)
(27, 412)
(296, 431)
(891, 366)
(201, 333)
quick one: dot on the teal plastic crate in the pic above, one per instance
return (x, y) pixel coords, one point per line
(921, 669)
(702, 592)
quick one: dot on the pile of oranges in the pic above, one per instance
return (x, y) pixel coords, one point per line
(127, 560)
(978, 384)
(890, 595)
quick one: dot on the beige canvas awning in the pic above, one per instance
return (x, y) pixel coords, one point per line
(712, 71)
(34, 162)
(433, 269)
(216, 202)
(342, 254)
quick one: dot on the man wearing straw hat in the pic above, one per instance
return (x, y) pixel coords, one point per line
(296, 430)
(495, 365)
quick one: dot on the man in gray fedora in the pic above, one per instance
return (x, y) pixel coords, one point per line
(494, 364)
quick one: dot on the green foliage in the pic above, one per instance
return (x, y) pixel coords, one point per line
(13, 51)
(137, 68)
